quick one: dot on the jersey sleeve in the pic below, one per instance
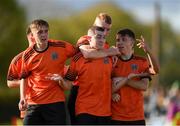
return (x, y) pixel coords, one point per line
(24, 68)
(15, 68)
(70, 50)
(12, 72)
(145, 66)
(71, 73)
(83, 40)
(145, 69)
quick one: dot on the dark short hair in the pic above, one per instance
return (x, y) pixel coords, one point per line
(128, 32)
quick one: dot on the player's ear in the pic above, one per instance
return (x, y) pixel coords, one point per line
(133, 43)
(31, 34)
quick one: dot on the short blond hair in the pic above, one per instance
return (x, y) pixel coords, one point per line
(103, 17)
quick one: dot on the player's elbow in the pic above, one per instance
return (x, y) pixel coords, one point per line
(145, 86)
(157, 70)
(154, 70)
(12, 84)
(9, 84)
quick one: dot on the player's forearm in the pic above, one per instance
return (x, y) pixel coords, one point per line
(154, 69)
(65, 84)
(93, 53)
(22, 88)
(89, 52)
(13, 83)
(116, 86)
(138, 84)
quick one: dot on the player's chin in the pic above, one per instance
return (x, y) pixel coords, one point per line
(99, 47)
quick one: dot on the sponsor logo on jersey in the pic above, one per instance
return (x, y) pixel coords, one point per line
(134, 67)
(54, 56)
(106, 60)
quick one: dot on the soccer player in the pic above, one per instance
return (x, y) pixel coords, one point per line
(94, 81)
(133, 75)
(104, 21)
(44, 97)
(13, 76)
(93, 103)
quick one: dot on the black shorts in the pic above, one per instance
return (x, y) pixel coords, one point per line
(137, 122)
(47, 114)
(87, 119)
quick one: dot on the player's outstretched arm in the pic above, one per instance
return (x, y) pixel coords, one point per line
(94, 53)
(154, 65)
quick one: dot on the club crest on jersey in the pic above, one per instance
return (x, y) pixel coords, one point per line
(106, 60)
(54, 56)
(134, 67)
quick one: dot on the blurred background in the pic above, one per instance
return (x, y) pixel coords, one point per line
(157, 20)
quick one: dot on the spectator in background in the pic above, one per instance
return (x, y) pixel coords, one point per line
(173, 110)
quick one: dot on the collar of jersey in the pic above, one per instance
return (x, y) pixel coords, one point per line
(42, 50)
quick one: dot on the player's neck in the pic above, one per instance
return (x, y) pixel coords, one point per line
(126, 56)
(41, 46)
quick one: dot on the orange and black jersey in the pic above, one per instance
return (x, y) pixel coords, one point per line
(130, 106)
(15, 68)
(84, 40)
(94, 81)
(37, 65)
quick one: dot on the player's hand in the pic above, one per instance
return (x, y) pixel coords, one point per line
(112, 51)
(84, 40)
(22, 105)
(55, 77)
(115, 97)
(114, 60)
(142, 44)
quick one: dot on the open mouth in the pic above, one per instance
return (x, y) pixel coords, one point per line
(120, 47)
(43, 39)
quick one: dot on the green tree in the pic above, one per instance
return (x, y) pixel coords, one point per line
(12, 34)
(12, 41)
